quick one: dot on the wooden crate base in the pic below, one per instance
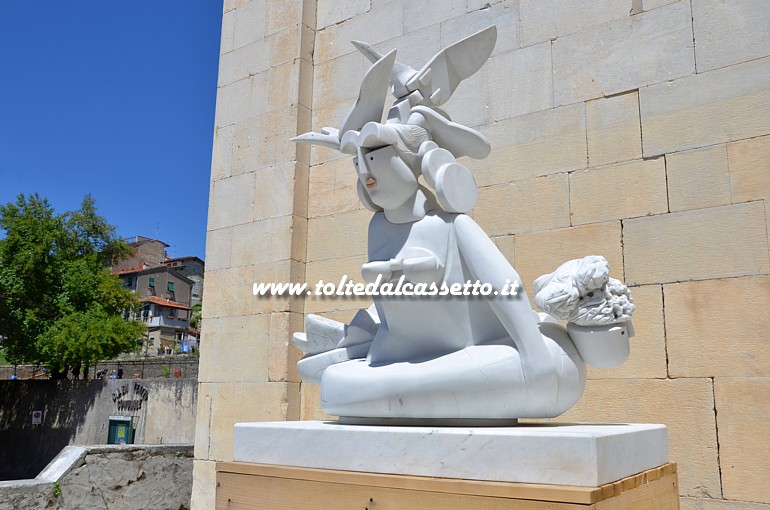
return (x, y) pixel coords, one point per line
(266, 487)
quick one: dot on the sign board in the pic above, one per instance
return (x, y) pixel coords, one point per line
(37, 417)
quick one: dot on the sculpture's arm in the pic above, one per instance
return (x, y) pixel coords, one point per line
(488, 265)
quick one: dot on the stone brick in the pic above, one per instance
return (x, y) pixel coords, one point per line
(332, 270)
(503, 14)
(338, 236)
(264, 141)
(623, 190)
(524, 206)
(538, 253)
(284, 271)
(648, 347)
(225, 404)
(284, 88)
(283, 14)
(382, 22)
(698, 178)
(544, 20)
(613, 129)
(311, 403)
(728, 33)
(651, 47)
(706, 109)
(283, 356)
(229, 5)
(524, 82)
(332, 188)
(695, 245)
(222, 152)
(742, 408)
(218, 249)
(261, 242)
(333, 11)
(229, 292)
(537, 144)
(236, 349)
(506, 246)
(749, 167)
(427, 12)
(204, 487)
(686, 406)
(227, 39)
(232, 201)
(274, 190)
(338, 80)
(706, 503)
(710, 332)
(299, 239)
(249, 23)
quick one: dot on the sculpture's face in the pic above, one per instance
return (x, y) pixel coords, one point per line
(388, 181)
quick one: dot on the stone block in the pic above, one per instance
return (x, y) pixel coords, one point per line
(622, 55)
(685, 406)
(420, 14)
(710, 332)
(264, 141)
(225, 404)
(382, 22)
(613, 129)
(232, 201)
(249, 23)
(333, 188)
(218, 249)
(236, 349)
(282, 355)
(222, 152)
(648, 347)
(698, 178)
(274, 190)
(261, 242)
(706, 109)
(706, 503)
(284, 88)
(311, 403)
(229, 292)
(506, 246)
(330, 11)
(299, 238)
(538, 253)
(742, 406)
(749, 168)
(728, 33)
(523, 206)
(281, 15)
(338, 80)
(481, 14)
(522, 81)
(229, 5)
(541, 143)
(227, 39)
(284, 271)
(338, 236)
(204, 485)
(623, 190)
(696, 245)
(545, 20)
(332, 270)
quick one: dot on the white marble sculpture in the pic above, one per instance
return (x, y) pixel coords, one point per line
(449, 357)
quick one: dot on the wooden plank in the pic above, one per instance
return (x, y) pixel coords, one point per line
(240, 492)
(659, 494)
(532, 492)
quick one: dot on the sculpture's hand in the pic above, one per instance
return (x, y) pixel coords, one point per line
(371, 270)
(422, 269)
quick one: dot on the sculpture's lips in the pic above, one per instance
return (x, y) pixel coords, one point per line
(371, 183)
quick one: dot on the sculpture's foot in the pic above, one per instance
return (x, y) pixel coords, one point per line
(479, 382)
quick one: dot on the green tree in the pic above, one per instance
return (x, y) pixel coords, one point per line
(59, 304)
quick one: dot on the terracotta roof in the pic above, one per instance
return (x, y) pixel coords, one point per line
(164, 302)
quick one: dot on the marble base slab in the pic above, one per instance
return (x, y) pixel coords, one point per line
(548, 453)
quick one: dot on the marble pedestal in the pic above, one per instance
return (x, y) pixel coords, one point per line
(544, 453)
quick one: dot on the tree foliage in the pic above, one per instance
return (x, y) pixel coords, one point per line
(59, 304)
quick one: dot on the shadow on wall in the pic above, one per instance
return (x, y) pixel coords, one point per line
(77, 413)
(25, 448)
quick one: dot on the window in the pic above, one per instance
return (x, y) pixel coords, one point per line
(152, 282)
(170, 286)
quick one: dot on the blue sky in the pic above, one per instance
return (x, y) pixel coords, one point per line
(115, 99)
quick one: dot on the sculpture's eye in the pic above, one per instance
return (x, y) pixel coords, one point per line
(355, 162)
(371, 158)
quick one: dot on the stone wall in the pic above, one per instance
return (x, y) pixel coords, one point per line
(126, 477)
(77, 413)
(636, 129)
